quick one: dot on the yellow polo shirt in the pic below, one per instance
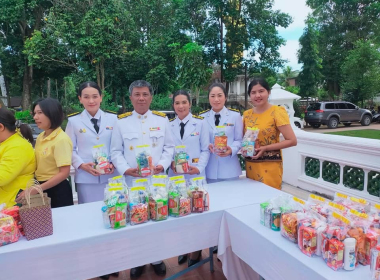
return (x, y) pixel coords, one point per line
(17, 166)
(52, 152)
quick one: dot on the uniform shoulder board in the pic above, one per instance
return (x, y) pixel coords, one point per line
(205, 111)
(111, 112)
(122, 116)
(235, 110)
(73, 114)
(171, 119)
(159, 114)
(198, 117)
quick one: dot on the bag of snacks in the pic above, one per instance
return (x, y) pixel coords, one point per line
(179, 200)
(199, 195)
(138, 202)
(342, 199)
(248, 143)
(9, 232)
(318, 204)
(101, 159)
(220, 139)
(270, 211)
(181, 159)
(289, 223)
(15, 214)
(144, 160)
(158, 202)
(308, 223)
(375, 263)
(359, 204)
(115, 210)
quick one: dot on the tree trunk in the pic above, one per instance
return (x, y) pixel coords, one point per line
(97, 74)
(123, 102)
(102, 78)
(27, 86)
(49, 88)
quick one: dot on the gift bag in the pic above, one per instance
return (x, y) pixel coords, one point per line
(35, 213)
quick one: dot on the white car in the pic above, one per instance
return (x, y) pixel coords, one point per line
(299, 122)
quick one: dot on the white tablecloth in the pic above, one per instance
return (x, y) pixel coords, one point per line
(82, 248)
(268, 253)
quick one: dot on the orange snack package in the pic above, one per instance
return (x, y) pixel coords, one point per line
(335, 254)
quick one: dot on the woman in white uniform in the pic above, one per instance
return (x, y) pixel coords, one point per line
(190, 131)
(226, 165)
(89, 128)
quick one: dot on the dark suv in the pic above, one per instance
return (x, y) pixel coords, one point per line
(335, 112)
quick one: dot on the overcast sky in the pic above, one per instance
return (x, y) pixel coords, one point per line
(298, 10)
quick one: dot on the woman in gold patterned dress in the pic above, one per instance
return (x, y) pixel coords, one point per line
(266, 166)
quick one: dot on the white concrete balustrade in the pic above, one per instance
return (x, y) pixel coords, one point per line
(350, 152)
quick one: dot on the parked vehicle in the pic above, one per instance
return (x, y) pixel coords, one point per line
(376, 118)
(298, 122)
(335, 112)
(35, 130)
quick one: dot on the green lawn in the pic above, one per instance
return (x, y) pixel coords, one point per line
(365, 133)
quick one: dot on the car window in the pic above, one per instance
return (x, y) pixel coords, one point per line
(314, 107)
(329, 106)
(350, 106)
(341, 105)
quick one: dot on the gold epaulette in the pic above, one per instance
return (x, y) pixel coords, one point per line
(111, 112)
(198, 117)
(73, 114)
(236, 110)
(159, 114)
(205, 111)
(122, 116)
(171, 119)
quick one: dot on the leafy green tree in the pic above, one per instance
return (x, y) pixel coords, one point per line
(287, 73)
(361, 72)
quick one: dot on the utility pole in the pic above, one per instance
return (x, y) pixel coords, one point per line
(245, 87)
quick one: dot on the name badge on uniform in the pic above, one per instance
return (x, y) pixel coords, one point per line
(154, 128)
(109, 127)
(82, 130)
(194, 133)
(228, 124)
(195, 160)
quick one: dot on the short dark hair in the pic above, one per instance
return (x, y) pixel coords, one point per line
(219, 85)
(258, 81)
(87, 84)
(52, 109)
(181, 92)
(9, 121)
(140, 84)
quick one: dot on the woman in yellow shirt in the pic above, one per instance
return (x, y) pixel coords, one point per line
(17, 160)
(53, 153)
(272, 120)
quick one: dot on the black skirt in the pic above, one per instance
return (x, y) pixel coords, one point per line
(60, 195)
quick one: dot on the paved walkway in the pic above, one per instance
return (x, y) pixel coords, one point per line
(354, 126)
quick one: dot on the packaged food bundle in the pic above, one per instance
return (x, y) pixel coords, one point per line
(359, 204)
(115, 213)
(248, 143)
(181, 159)
(375, 214)
(308, 224)
(289, 219)
(138, 205)
(101, 159)
(144, 160)
(335, 254)
(199, 195)
(358, 230)
(15, 214)
(342, 199)
(335, 207)
(318, 204)
(179, 199)
(375, 263)
(9, 232)
(158, 202)
(270, 211)
(118, 179)
(220, 139)
(371, 241)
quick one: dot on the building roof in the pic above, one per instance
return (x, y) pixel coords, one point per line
(278, 93)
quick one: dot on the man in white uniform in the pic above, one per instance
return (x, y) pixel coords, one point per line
(142, 127)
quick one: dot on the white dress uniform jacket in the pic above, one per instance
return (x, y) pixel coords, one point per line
(133, 129)
(196, 140)
(225, 167)
(83, 135)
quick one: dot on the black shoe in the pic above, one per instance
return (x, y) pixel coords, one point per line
(215, 250)
(116, 274)
(137, 271)
(182, 259)
(191, 262)
(159, 269)
(105, 277)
